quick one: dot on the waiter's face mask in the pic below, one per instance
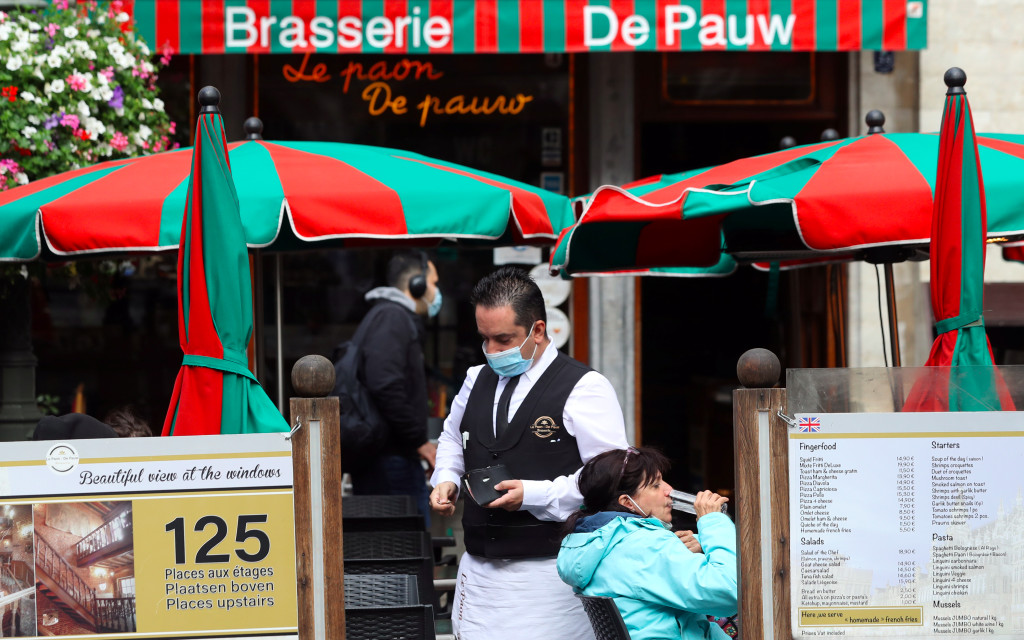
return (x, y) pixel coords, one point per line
(511, 362)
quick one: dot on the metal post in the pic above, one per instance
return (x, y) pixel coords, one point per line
(890, 299)
(278, 316)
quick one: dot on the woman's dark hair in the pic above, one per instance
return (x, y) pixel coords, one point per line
(604, 478)
(127, 423)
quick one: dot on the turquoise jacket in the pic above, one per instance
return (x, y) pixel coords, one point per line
(662, 589)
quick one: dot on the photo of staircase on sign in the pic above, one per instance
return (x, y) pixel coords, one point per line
(17, 594)
(84, 568)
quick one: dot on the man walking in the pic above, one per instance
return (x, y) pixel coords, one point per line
(542, 415)
(391, 340)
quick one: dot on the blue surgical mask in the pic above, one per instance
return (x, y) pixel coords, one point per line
(511, 362)
(434, 307)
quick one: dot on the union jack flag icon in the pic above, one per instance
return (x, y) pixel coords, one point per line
(809, 425)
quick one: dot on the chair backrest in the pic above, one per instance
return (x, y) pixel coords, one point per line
(604, 617)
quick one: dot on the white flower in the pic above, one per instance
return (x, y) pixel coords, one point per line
(122, 17)
(34, 26)
(56, 86)
(20, 45)
(21, 178)
(28, 132)
(23, 272)
(70, 32)
(158, 104)
(14, 63)
(83, 109)
(34, 120)
(146, 104)
(53, 61)
(94, 126)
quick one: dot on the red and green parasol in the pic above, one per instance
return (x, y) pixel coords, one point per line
(847, 198)
(325, 193)
(958, 271)
(215, 392)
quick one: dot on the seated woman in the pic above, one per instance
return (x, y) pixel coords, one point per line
(620, 546)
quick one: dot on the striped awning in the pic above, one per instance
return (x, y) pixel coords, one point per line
(529, 26)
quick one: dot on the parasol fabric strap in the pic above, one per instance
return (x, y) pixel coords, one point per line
(232, 362)
(961, 321)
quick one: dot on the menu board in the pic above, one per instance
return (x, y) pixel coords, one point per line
(907, 525)
(179, 537)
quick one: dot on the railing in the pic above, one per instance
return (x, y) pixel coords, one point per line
(111, 532)
(115, 614)
(53, 565)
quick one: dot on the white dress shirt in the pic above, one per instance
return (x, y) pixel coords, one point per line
(592, 415)
(525, 598)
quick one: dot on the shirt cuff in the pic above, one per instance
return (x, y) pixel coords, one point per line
(535, 494)
(444, 475)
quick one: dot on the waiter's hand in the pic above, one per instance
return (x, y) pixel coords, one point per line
(442, 498)
(512, 500)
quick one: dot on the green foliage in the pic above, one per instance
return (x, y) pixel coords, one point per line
(47, 404)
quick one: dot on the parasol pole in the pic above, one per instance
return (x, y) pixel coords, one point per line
(253, 128)
(875, 120)
(890, 299)
(278, 306)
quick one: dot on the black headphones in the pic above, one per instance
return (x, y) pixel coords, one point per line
(418, 283)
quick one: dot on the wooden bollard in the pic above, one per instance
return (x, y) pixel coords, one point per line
(762, 490)
(316, 460)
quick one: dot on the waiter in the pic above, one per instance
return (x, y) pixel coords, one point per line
(542, 415)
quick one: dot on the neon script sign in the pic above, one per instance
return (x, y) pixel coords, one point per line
(381, 99)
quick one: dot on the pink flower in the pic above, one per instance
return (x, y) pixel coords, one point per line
(77, 82)
(119, 141)
(70, 120)
(61, 4)
(108, 73)
(174, 126)
(52, 29)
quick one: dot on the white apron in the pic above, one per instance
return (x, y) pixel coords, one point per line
(508, 599)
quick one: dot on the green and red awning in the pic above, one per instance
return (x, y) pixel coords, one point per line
(528, 26)
(326, 193)
(835, 199)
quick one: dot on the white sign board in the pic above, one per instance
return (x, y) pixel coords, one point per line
(554, 289)
(907, 525)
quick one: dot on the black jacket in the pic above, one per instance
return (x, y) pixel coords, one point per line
(395, 375)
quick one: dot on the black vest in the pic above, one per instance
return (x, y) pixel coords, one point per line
(535, 447)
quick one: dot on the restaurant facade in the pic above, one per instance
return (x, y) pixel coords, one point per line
(563, 94)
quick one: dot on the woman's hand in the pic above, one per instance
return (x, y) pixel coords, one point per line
(690, 540)
(708, 502)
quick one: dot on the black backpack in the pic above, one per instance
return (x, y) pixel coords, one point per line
(363, 430)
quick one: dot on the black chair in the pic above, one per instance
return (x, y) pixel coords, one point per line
(396, 590)
(390, 553)
(604, 617)
(386, 607)
(380, 513)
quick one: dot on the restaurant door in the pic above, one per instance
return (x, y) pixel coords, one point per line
(696, 110)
